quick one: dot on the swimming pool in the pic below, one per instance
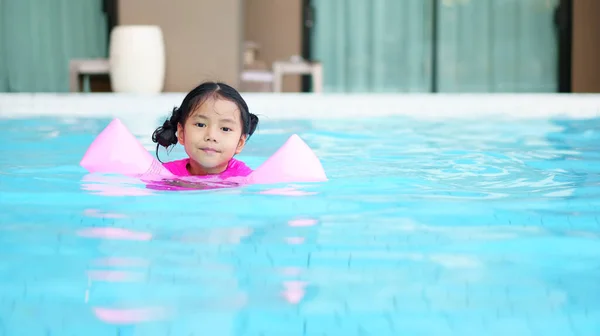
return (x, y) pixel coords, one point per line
(436, 226)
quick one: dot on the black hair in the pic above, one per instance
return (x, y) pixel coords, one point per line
(166, 135)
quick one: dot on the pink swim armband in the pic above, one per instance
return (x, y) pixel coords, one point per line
(116, 150)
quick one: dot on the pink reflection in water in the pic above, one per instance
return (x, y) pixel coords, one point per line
(125, 316)
(115, 276)
(302, 222)
(294, 291)
(112, 186)
(114, 233)
(287, 192)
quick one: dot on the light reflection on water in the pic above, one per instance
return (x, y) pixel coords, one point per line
(434, 228)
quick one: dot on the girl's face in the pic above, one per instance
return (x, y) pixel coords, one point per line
(212, 135)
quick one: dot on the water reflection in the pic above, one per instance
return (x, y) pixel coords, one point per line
(217, 236)
(294, 291)
(290, 191)
(184, 275)
(115, 276)
(425, 225)
(114, 233)
(302, 222)
(121, 262)
(130, 315)
(113, 185)
(117, 186)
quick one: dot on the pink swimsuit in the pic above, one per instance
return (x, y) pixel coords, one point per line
(235, 168)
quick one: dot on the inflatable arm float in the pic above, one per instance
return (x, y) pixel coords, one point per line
(116, 150)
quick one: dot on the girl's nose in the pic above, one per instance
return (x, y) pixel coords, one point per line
(210, 135)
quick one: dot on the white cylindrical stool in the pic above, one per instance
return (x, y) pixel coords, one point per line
(137, 59)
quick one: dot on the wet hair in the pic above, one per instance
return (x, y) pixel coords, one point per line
(166, 135)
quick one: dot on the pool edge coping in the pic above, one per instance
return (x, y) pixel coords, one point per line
(310, 106)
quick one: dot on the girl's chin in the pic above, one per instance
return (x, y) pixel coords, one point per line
(208, 168)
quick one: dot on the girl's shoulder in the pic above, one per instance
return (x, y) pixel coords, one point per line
(238, 168)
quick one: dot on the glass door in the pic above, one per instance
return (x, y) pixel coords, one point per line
(435, 45)
(373, 45)
(497, 46)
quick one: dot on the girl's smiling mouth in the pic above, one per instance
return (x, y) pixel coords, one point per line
(209, 150)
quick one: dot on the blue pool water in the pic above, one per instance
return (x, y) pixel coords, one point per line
(486, 227)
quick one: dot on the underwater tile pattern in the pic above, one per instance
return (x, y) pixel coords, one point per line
(425, 228)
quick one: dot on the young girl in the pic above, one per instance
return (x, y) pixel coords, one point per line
(213, 124)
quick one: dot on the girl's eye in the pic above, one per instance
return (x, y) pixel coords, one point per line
(200, 124)
(226, 129)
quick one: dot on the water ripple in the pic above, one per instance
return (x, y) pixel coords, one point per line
(424, 228)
